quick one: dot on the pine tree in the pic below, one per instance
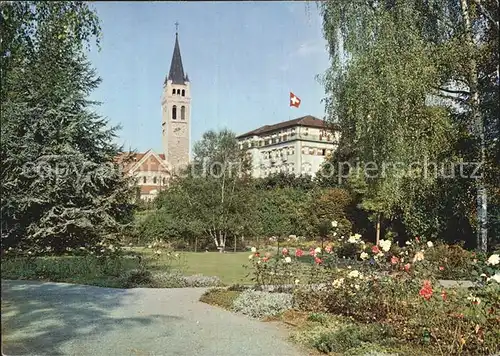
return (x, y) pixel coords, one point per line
(62, 187)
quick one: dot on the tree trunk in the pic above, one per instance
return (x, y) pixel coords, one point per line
(481, 197)
(196, 244)
(377, 238)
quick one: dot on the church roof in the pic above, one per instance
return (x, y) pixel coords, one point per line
(176, 73)
(308, 120)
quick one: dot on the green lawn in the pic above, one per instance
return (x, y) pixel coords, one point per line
(227, 266)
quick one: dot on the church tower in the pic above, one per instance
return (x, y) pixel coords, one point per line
(176, 112)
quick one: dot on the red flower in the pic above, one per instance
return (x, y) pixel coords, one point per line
(407, 267)
(417, 239)
(256, 254)
(394, 260)
(317, 260)
(443, 294)
(265, 259)
(441, 268)
(284, 251)
(375, 249)
(312, 252)
(426, 290)
(298, 252)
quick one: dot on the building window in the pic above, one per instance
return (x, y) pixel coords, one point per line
(183, 113)
(144, 180)
(154, 180)
(174, 112)
(178, 91)
(323, 152)
(173, 91)
(284, 137)
(183, 92)
(164, 180)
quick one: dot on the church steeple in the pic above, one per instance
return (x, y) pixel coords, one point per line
(176, 111)
(176, 73)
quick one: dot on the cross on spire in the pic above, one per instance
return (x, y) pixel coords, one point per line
(176, 26)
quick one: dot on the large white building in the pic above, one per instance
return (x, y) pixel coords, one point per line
(296, 146)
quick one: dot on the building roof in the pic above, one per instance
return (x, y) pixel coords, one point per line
(176, 73)
(308, 120)
(129, 160)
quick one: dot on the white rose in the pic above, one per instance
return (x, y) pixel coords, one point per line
(288, 259)
(352, 240)
(408, 243)
(335, 224)
(385, 245)
(430, 244)
(297, 281)
(496, 277)
(317, 250)
(493, 260)
(353, 274)
(338, 282)
(364, 256)
(250, 257)
(253, 249)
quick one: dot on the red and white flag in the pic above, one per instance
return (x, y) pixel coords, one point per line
(294, 100)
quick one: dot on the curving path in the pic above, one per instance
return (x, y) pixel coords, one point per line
(64, 319)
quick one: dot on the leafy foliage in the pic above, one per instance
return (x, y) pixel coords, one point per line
(261, 304)
(428, 94)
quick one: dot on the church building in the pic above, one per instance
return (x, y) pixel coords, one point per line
(153, 170)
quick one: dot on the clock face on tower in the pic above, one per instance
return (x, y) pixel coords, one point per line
(179, 130)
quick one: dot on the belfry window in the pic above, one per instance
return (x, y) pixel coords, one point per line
(183, 92)
(174, 112)
(173, 91)
(183, 113)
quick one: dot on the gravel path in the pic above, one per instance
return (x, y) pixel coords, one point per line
(64, 319)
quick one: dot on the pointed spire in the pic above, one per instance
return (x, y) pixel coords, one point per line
(176, 73)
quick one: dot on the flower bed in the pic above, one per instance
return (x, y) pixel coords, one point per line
(397, 287)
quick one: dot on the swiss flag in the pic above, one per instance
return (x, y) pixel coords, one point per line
(294, 100)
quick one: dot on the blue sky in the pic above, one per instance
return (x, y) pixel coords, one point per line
(243, 59)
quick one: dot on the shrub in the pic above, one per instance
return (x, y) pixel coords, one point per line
(262, 304)
(223, 298)
(175, 279)
(199, 280)
(79, 269)
(338, 341)
(136, 278)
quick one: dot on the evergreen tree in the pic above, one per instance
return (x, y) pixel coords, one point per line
(61, 184)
